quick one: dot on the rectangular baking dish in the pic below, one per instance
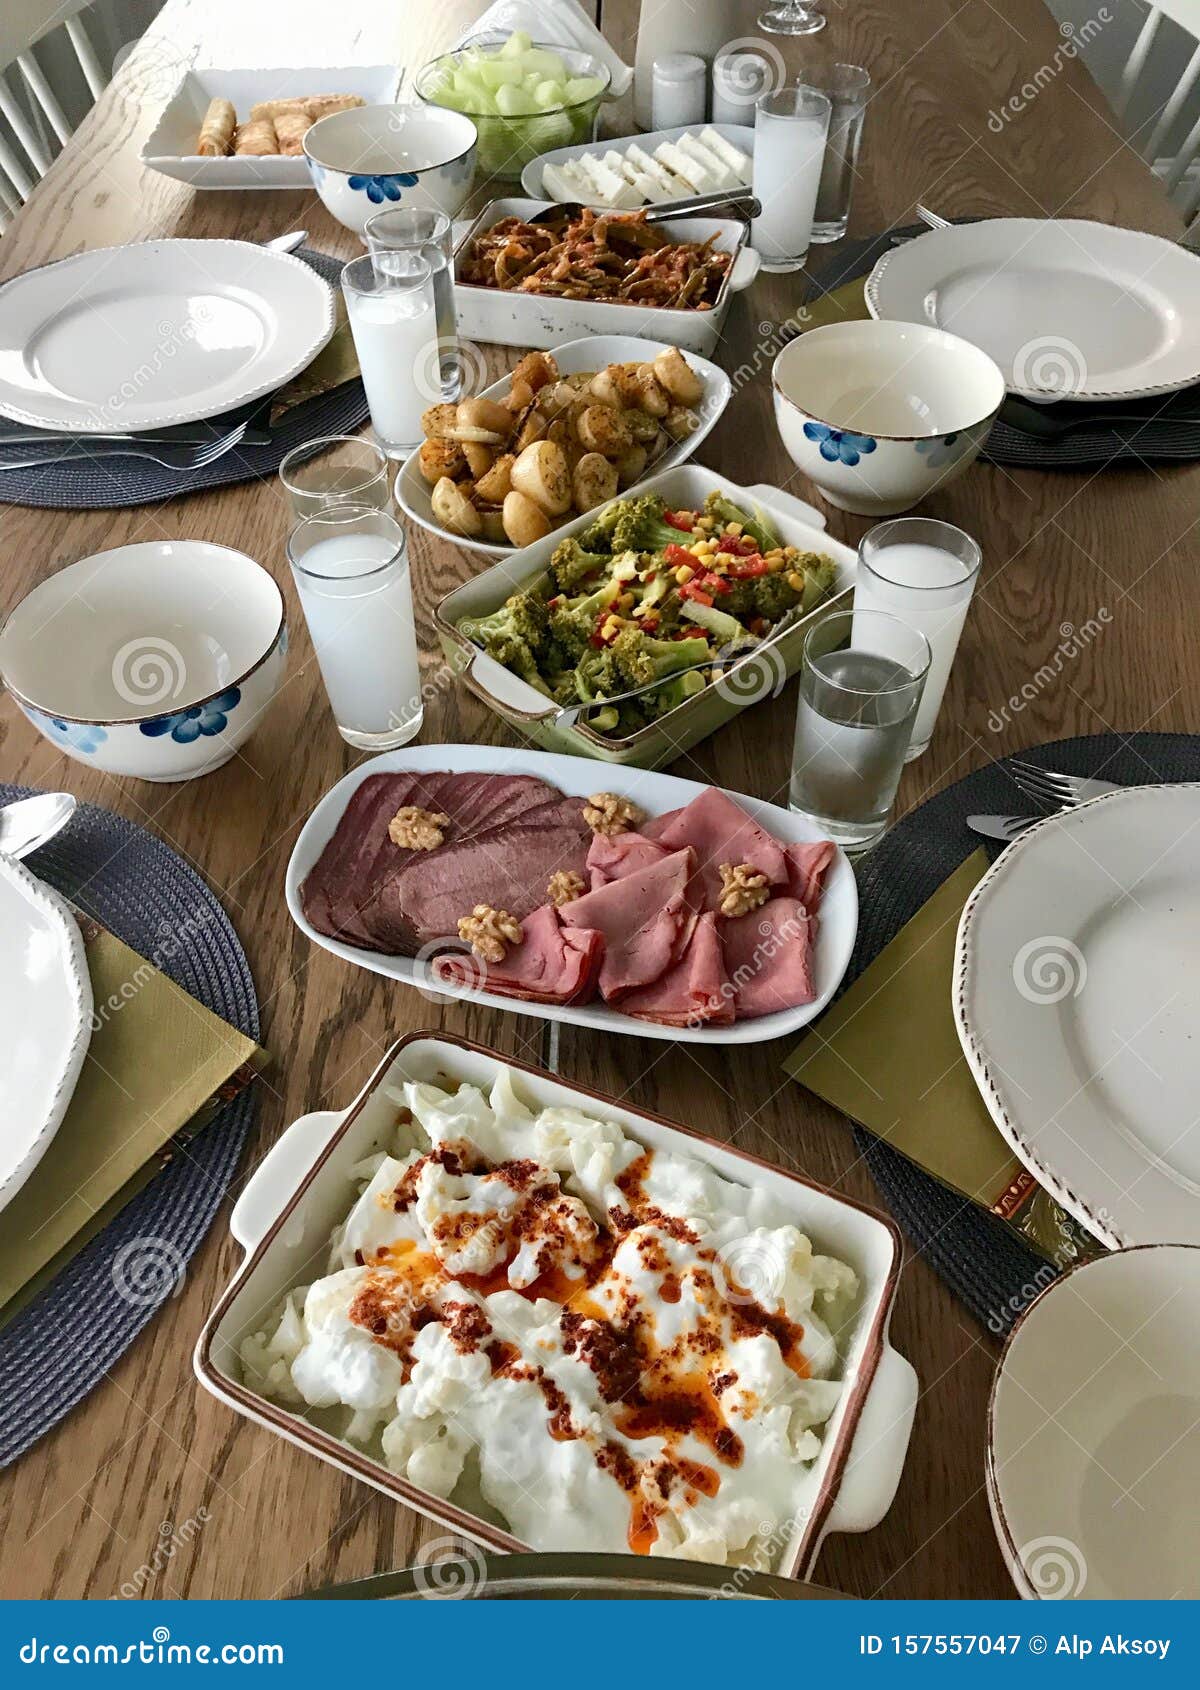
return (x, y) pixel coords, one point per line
(303, 1188)
(509, 318)
(524, 708)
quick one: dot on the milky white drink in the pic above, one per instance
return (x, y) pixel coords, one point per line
(928, 587)
(790, 127)
(394, 323)
(357, 600)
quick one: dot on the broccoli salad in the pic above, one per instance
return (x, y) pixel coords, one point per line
(643, 593)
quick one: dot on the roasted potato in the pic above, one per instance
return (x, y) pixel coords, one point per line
(438, 421)
(495, 484)
(530, 427)
(482, 420)
(540, 472)
(630, 465)
(642, 427)
(679, 422)
(492, 519)
(593, 482)
(608, 387)
(652, 397)
(678, 377)
(454, 510)
(440, 457)
(601, 429)
(479, 458)
(555, 397)
(536, 368)
(524, 522)
(518, 396)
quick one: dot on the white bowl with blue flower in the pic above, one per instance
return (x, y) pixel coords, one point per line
(155, 660)
(371, 157)
(878, 414)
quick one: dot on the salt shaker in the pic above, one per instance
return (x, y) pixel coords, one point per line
(739, 76)
(679, 91)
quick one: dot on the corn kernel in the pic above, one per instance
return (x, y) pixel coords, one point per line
(790, 551)
(706, 524)
(775, 563)
(795, 581)
(734, 528)
(684, 574)
(625, 602)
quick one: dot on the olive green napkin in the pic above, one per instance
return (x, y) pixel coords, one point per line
(888, 1055)
(158, 1068)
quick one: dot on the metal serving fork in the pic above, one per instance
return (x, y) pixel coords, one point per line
(170, 456)
(1047, 786)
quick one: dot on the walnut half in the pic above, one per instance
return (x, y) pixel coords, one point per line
(605, 813)
(565, 886)
(415, 829)
(489, 932)
(743, 888)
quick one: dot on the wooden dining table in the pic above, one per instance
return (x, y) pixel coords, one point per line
(148, 1454)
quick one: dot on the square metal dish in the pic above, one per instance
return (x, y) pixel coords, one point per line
(532, 320)
(523, 707)
(303, 1188)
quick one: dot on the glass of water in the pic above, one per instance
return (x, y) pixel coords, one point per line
(350, 564)
(861, 678)
(848, 88)
(922, 572)
(336, 469)
(790, 127)
(394, 238)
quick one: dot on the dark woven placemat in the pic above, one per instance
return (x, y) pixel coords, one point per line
(1165, 430)
(982, 1260)
(56, 1349)
(100, 482)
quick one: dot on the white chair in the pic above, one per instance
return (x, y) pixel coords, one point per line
(23, 24)
(1183, 184)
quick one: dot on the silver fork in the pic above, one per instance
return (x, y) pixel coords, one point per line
(179, 457)
(1048, 786)
(932, 218)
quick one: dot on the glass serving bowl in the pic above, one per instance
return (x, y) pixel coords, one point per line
(507, 144)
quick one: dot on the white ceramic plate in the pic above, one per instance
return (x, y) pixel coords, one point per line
(1068, 309)
(580, 776)
(160, 332)
(168, 148)
(592, 352)
(1077, 998)
(740, 135)
(46, 1014)
(1093, 1437)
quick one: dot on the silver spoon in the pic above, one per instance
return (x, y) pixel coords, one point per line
(28, 823)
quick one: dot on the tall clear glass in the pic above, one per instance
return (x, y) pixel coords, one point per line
(394, 323)
(336, 469)
(393, 237)
(924, 573)
(790, 127)
(350, 564)
(861, 677)
(848, 88)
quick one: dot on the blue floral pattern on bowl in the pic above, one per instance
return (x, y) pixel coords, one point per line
(85, 738)
(839, 445)
(381, 188)
(210, 719)
(943, 449)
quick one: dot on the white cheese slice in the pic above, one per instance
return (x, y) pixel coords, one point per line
(687, 169)
(737, 161)
(556, 184)
(720, 172)
(618, 194)
(637, 179)
(670, 187)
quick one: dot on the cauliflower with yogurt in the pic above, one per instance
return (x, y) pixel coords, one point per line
(614, 1346)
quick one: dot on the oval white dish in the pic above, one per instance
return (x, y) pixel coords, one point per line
(591, 352)
(739, 135)
(580, 776)
(46, 1013)
(1076, 994)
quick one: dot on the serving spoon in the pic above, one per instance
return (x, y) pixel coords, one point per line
(739, 200)
(28, 823)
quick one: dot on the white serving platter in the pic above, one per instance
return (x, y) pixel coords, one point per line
(304, 1186)
(160, 332)
(168, 147)
(592, 352)
(509, 318)
(1068, 309)
(46, 1014)
(1093, 1452)
(740, 135)
(1077, 998)
(580, 776)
